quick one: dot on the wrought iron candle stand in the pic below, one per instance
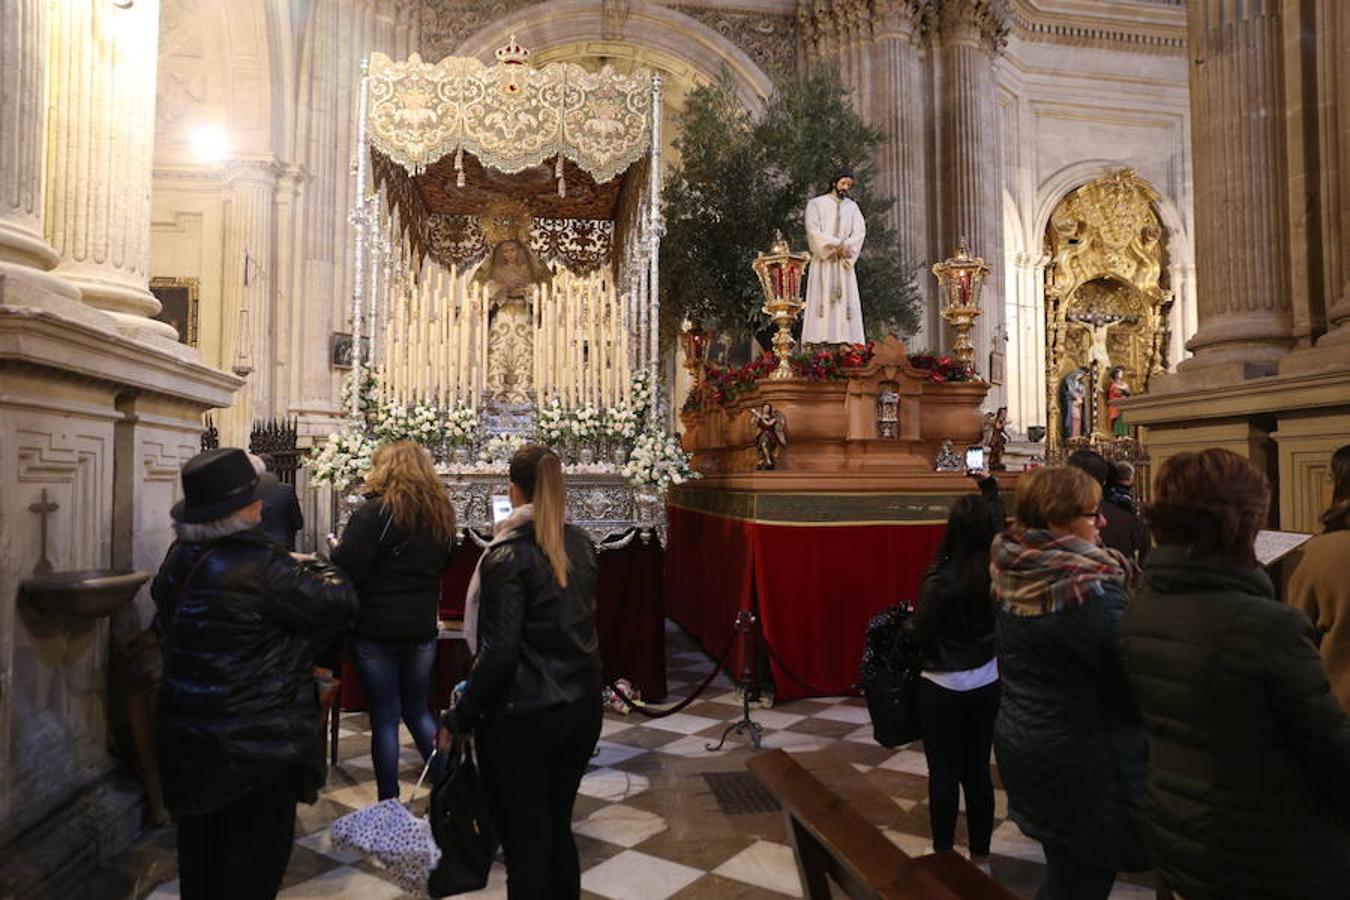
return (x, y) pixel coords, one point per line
(748, 686)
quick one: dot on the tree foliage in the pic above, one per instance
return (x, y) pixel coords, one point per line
(740, 178)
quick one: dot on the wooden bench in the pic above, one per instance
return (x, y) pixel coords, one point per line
(832, 841)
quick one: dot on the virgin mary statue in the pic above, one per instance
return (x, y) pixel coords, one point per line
(507, 277)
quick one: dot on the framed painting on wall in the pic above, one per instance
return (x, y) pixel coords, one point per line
(178, 300)
(340, 350)
(997, 365)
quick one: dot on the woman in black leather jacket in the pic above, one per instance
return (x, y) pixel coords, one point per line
(533, 697)
(959, 689)
(395, 548)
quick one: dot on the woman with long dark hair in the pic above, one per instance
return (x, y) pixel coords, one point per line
(1320, 585)
(958, 689)
(533, 696)
(395, 548)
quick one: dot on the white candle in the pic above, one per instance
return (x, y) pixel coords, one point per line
(485, 302)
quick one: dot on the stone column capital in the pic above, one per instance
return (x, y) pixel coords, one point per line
(258, 171)
(898, 18)
(982, 22)
(1033, 261)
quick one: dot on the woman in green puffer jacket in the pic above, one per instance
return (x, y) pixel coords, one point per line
(1249, 776)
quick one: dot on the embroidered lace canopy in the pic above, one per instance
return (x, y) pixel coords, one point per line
(510, 116)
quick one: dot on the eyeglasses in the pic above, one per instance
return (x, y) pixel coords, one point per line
(1094, 515)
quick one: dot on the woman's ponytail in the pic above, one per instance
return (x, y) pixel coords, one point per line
(537, 471)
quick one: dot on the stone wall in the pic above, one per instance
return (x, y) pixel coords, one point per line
(99, 407)
(1270, 375)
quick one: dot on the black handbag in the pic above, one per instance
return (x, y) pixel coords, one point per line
(461, 825)
(890, 678)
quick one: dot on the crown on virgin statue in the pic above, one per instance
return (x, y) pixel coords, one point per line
(512, 54)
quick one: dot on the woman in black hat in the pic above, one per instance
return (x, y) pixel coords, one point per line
(238, 704)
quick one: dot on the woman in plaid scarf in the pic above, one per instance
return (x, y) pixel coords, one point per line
(1068, 739)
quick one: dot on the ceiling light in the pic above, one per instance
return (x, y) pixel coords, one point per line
(210, 143)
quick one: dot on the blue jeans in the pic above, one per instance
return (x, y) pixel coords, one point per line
(397, 679)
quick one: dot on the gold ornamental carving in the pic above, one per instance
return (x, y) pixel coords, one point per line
(1106, 307)
(510, 115)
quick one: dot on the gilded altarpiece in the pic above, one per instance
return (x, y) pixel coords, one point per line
(1106, 308)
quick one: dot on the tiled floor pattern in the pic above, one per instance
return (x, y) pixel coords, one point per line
(648, 826)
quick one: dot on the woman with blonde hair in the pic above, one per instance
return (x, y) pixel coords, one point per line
(395, 548)
(533, 697)
(1068, 740)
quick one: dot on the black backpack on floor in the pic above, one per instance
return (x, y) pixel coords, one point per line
(889, 677)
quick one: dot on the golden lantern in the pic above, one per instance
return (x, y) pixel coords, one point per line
(695, 341)
(960, 278)
(780, 275)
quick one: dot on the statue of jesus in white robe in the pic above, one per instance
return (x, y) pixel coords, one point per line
(835, 231)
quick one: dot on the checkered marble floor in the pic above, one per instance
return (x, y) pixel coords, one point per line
(648, 826)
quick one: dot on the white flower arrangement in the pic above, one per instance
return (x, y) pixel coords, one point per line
(658, 461)
(343, 459)
(420, 423)
(391, 423)
(425, 425)
(500, 448)
(587, 423)
(368, 387)
(621, 423)
(643, 395)
(552, 422)
(461, 426)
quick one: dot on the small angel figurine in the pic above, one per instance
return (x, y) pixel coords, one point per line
(772, 435)
(997, 441)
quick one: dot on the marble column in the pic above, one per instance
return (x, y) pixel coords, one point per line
(899, 88)
(25, 254)
(341, 33)
(1026, 363)
(1183, 321)
(249, 292)
(1323, 127)
(100, 149)
(1241, 178)
(969, 201)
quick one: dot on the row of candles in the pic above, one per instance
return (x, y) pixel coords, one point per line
(436, 340)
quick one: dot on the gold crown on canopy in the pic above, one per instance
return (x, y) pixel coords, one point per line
(512, 54)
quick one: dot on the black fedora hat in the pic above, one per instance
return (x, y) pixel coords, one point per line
(215, 484)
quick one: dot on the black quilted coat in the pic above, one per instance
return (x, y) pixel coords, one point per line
(1070, 749)
(238, 702)
(1249, 782)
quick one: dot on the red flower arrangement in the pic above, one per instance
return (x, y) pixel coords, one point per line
(941, 369)
(722, 384)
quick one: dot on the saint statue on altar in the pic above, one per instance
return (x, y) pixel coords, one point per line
(1073, 391)
(835, 232)
(507, 279)
(1116, 389)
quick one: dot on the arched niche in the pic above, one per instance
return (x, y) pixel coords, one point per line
(1107, 302)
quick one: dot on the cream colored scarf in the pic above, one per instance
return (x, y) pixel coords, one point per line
(503, 531)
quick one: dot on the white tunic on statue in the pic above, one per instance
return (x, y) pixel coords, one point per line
(833, 312)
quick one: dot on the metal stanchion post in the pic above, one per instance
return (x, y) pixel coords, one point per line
(748, 686)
